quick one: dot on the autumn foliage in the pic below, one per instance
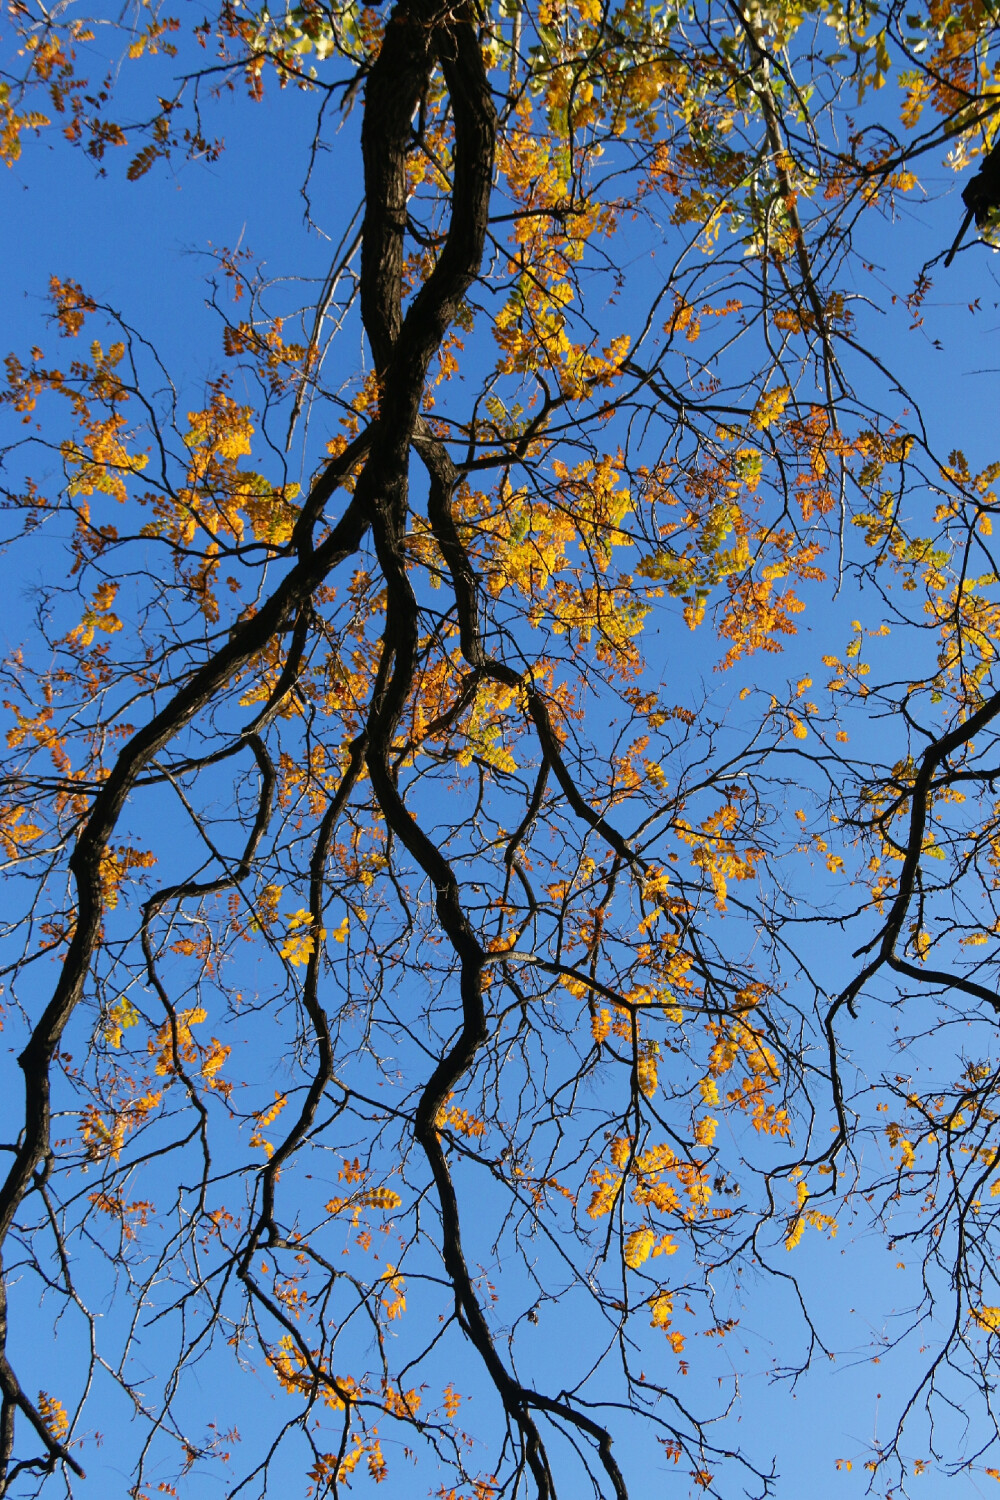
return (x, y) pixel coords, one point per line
(449, 892)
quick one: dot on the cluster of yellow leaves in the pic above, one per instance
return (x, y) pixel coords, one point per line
(483, 1488)
(459, 1120)
(308, 1375)
(769, 407)
(71, 305)
(452, 1401)
(952, 71)
(485, 729)
(120, 1018)
(115, 866)
(539, 1188)
(101, 456)
(102, 1139)
(218, 498)
(705, 559)
(987, 1317)
(714, 850)
(657, 1178)
(98, 615)
(661, 1307)
(393, 1305)
(16, 830)
(896, 1137)
(300, 944)
(381, 1198)
(266, 909)
(600, 1025)
(738, 1039)
(265, 1117)
(404, 1405)
(41, 730)
(646, 1068)
(330, 1468)
(99, 459)
(131, 1217)
(53, 1414)
(13, 122)
(285, 364)
(760, 606)
(176, 1047)
(640, 1244)
(715, 540)
(522, 541)
(47, 47)
(803, 1216)
(547, 241)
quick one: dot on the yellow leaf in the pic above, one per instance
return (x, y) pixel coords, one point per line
(121, 1016)
(638, 1246)
(709, 1090)
(769, 407)
(53, 1414)
(661, 1306)
(600, 1026)
(382, 1197)
(646, 1069)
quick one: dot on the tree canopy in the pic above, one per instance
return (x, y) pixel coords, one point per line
(499, 803)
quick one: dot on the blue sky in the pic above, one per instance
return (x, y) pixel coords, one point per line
(141, 248)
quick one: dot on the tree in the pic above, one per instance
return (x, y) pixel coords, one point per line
(429, 899)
